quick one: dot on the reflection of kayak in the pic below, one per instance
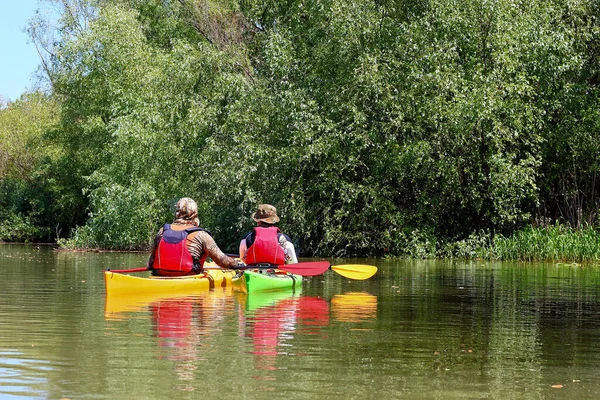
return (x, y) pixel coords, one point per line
(354, 306)
(117, 305)
(114, 306)
(264, 280)
(123, 284)
(258, 300)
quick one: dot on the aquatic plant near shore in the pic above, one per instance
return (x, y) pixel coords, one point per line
(533, 243)
(557, 243)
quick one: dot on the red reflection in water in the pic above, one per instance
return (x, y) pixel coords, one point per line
(272, 326)
(173, 320)
(175, 328)
(187, 323)
(313, 314)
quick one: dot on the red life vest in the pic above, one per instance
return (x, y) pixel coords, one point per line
(265, 248)
(172, 257)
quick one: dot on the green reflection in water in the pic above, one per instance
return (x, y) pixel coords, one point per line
(421, 329)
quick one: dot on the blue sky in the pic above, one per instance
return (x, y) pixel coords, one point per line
(18, 57)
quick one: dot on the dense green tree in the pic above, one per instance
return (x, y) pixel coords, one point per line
(571, 96)
(408, 117)
(374, 127)
(27, 208)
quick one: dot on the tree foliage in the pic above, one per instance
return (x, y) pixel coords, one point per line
(27, 212)
(373, 127)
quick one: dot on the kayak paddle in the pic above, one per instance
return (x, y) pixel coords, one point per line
(350, 271)
(306, 268)
(355, 271)
(311, 268)
(127, 270)
(314, 268)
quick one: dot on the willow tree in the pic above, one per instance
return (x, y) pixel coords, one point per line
(373, 126)
(382, 121)
(142, 88)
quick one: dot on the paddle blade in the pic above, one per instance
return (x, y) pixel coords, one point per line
(355, 271)
(309, 268)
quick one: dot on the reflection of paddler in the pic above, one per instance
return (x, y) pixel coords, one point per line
(182, 322)
(267, 320)
(313, 313)
(354, 306)
(173, 320)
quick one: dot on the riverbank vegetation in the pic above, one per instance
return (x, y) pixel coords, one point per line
(401, 128)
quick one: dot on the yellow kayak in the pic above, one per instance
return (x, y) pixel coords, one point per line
(117, 284)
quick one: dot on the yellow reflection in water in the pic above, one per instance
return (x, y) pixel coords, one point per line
(354, 306)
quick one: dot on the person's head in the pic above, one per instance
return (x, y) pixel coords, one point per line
(266, 213)
(186, 212)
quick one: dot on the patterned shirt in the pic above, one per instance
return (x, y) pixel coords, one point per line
(197, 244)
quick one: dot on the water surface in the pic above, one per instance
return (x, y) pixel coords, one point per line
(416, 330)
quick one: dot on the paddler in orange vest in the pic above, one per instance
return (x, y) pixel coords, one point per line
(266, 244)
(182, 247)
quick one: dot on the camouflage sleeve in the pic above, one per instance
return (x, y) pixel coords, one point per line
(203, 242)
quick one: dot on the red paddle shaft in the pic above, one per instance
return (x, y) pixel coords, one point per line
(128, 270)
(309, 268)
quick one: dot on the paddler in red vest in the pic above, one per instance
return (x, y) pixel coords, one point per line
(182, 247)
(266, 244)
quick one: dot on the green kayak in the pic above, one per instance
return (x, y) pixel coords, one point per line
(267, 279)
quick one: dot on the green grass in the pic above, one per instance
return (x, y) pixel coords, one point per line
(559, 243)
(555, 243)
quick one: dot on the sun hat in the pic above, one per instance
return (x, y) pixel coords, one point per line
(266, 213)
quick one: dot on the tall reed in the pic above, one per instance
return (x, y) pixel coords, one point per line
(556, 243)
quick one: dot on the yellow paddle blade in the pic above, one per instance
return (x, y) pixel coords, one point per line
(355, 271)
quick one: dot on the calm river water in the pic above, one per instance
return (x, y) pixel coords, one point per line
(416, 330)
